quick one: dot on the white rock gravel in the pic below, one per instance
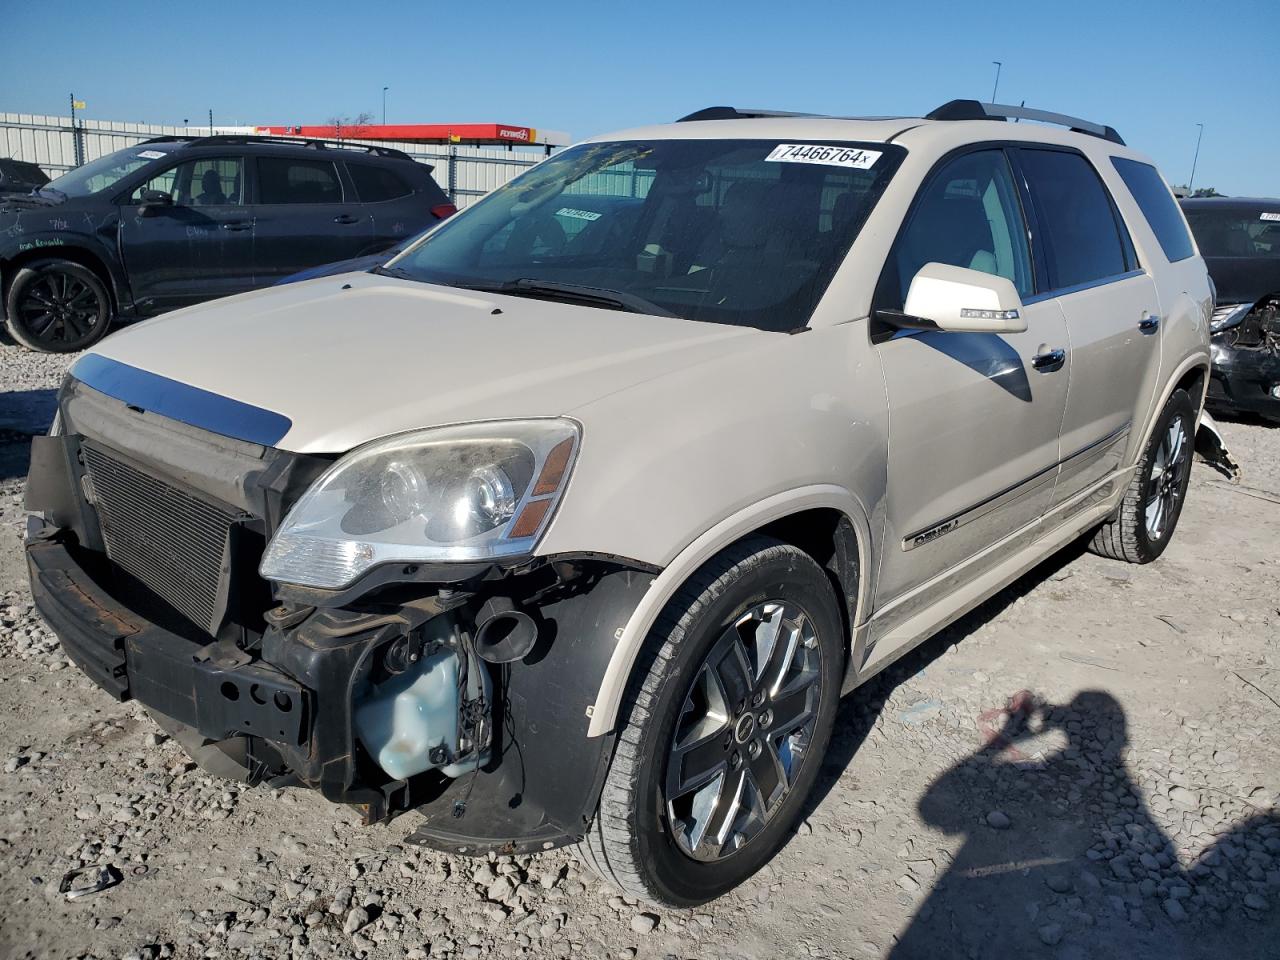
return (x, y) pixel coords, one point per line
(1135, 812)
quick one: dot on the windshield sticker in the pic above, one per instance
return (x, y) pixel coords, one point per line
(851, 157)
(1269, 216)
(151, 154)
(590, 215)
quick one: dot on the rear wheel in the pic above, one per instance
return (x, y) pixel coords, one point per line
(724, 727)
(1153, 501)
(57, 306)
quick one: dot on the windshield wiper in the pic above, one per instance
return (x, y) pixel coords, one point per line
(571, 293)
(397, 272)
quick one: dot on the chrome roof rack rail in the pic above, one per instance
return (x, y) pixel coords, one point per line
(977, 110)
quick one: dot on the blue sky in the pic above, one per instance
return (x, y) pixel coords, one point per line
(1152, 70)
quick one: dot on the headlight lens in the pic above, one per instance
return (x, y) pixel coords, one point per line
(480, 491)
(1227, 316)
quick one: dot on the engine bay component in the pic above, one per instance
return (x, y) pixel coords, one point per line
(432, 715)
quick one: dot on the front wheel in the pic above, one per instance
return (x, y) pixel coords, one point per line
(1153, 501)
(57, 306)
(723, 729)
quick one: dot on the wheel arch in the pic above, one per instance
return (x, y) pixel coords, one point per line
(826, 521)
(82, 255)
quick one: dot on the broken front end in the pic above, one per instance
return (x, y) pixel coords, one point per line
(1245, 345)
(460, 689)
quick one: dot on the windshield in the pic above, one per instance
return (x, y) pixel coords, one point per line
(746, 232)
(1236, 233)
(98, 175)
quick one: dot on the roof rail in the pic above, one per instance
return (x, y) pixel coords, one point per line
(219, 139)
(977, 110)
(734, 113)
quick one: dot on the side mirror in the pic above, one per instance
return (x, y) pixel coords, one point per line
(152, 200)
(958, 300)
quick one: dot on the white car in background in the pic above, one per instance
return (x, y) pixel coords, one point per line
(572, 523)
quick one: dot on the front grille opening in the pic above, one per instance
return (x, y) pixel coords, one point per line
(176, 544)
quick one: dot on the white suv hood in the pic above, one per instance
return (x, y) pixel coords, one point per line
(359, 356)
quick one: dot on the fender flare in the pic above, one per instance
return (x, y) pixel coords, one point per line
(604, 711)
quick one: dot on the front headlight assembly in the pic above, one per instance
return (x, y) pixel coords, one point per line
(1228, 315)
(474, 492)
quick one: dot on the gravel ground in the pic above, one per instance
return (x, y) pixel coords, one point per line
(1087, 766)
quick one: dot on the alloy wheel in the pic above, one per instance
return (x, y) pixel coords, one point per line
(59, 307)
(744, 730)
(1168, 477)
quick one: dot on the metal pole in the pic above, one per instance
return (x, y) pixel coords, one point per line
(998, 64)
(1195, 159)
(76, 151)
(211, 121)
(384, 105)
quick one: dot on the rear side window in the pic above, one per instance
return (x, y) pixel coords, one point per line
(374, 184)
(282, 180)
(1157, 205)
(1081, 235)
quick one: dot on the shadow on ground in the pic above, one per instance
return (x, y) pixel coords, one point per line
(1071, 864)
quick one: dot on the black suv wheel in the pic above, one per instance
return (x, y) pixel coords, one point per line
(57, 306)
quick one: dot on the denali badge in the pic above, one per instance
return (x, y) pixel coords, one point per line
(933, 533)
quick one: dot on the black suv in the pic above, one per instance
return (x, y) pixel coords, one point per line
(176, 220)
(19, 176)
(1240, 242)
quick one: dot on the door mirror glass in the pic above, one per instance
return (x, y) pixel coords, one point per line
(943, 297)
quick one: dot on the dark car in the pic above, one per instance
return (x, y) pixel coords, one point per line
(1240, 241)
(176, 220)
(19, 176)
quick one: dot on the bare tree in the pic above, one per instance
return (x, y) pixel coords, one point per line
(351, 126)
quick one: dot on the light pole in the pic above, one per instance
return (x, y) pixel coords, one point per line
(384, 105)
(1195, 159)
(998, 64)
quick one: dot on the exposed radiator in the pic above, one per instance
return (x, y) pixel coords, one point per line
(172, 541)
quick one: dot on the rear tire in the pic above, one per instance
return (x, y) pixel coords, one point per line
(1153, 500)
(723, 728)
(57, 306)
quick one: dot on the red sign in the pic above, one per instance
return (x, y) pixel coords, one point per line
(413, 132)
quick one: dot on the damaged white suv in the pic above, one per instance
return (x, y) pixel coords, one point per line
(572, 523)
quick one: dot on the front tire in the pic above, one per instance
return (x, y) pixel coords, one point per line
(1153, 500)
(57, 306)
(723, 728)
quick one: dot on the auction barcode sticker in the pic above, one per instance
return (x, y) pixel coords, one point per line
(852, 157)
(1268, 215)
(578, 214)
(152, 154)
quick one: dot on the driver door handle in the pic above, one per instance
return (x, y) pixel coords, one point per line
(1049, 360)
(346, 218)
(238, 225)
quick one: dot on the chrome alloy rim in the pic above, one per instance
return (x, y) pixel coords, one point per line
(1167, 479)
(58, 306)
(744, 730)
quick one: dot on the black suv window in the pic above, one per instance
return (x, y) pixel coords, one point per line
(1236, 233)
(968, 215)
(209, 181)
(286, 180)
(377, 183)
(1157, 205)
(1081, 235)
